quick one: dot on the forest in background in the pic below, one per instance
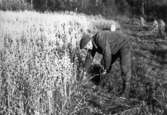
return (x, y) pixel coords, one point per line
(149, 9)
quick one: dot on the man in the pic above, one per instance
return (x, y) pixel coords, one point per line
(111, 45)
(162, 28)
(143, 22)
(155, 26)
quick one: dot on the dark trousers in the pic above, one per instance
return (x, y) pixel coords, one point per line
(124, 53)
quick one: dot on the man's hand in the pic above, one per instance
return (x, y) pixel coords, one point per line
(104, 72)
(84, 74)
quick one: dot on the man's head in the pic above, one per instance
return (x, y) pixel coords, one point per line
(86, 42)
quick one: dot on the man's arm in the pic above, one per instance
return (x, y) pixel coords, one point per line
(89, 58)
(107, 57)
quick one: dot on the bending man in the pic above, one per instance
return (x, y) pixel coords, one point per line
(111, 45)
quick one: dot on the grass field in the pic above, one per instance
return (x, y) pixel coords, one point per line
(41, 69)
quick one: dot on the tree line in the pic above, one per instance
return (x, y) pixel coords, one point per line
(145, 8)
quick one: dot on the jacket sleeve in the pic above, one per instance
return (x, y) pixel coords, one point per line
(89, 58)
(107, 57)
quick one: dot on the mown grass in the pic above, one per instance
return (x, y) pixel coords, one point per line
(41, 69)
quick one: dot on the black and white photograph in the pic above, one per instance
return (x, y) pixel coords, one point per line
(83, 57)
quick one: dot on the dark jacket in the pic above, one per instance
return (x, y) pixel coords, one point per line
(106, 43)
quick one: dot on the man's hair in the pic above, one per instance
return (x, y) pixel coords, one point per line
(84, 40)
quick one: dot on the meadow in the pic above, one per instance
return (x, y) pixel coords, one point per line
(42, 74)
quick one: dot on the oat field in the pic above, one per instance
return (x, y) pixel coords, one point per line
(42, 74)
(38, 58)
